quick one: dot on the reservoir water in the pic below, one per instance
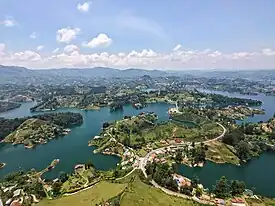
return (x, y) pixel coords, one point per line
(73, 148)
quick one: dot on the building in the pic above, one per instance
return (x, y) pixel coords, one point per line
(219, 201)
(237, 202)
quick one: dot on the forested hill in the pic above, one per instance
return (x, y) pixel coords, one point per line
(61, 119)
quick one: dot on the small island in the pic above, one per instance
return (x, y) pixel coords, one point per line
(2, 165)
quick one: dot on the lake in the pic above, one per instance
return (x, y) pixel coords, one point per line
(71, 149)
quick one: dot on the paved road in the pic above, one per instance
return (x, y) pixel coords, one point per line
(219, 137)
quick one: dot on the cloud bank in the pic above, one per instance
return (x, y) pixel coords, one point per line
(177, 59)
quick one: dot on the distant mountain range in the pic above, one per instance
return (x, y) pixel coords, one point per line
(21, 74)
(13, 73)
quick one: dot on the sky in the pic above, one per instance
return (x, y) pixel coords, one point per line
(155, 34)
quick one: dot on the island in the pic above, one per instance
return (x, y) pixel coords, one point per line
(2, 165)
(38, 129)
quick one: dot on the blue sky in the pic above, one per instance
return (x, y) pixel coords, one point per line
(138, 33)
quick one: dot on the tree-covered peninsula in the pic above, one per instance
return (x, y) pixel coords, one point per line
(37, 129)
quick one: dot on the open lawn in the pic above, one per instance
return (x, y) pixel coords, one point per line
(95, 195)
(173, 129)
(221, 153)
(262, 202)
(141, 194)
(136, 194)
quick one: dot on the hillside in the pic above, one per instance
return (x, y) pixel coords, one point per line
(34, 131)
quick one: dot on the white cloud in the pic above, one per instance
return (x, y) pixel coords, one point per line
(268, 52)
(84, 7)
(26, 56)
(55, 50)
(40, 48)
(176, 48)
(102, 40)
(9, 22)
(67, 34)
(70, 48)
(33, 35)
(215, 54)
(146, 58)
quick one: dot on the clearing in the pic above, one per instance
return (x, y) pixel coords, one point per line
(219, 152)
(95, 195)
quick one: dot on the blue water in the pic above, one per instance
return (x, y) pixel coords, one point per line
(71, 149)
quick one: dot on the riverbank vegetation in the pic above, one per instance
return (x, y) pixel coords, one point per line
(251, 139)
(6, 106)
(37, 129)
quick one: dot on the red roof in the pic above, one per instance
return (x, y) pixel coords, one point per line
(15, 203)
(178, 140)
(237, 200)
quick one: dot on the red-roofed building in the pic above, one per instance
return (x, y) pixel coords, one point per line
(177, 140)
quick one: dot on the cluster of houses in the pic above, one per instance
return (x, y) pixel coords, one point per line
(18, 197)
(161, 155)
(237, 201)
(129, 159)
(181, 181)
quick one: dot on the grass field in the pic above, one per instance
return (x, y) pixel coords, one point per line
(172, 130)
(220, 153)
(141, 194)
(136, 194)
(263, 202)
(95, 195)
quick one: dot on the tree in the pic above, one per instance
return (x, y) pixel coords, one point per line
(243, 150)
(63, 176)
(187, 190)
(127, 141)
(105, 125)
(198, 192)
(195, 181)
(171, 184)
(56, 188)
(221, 189)
(178, 157)
(115, 202)
(116, 174)
(89, 164)
(237, 188)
